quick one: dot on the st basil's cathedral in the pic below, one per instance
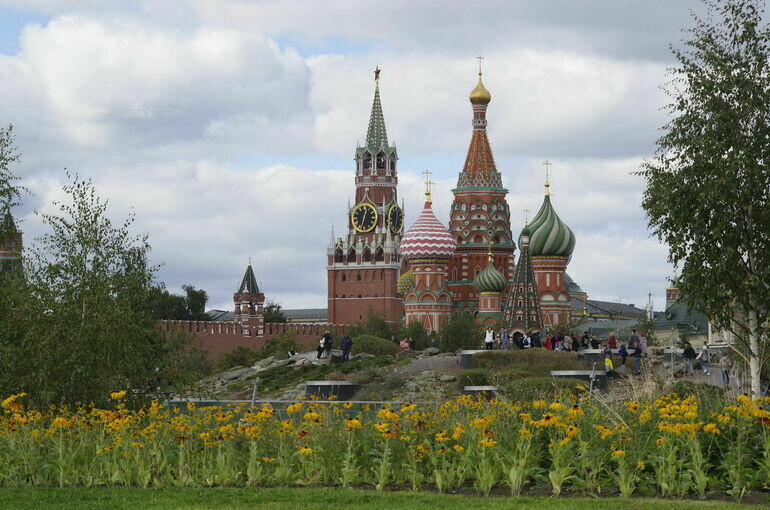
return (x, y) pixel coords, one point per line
(430, 271)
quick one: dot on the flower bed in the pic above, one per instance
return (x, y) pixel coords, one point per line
(671, 447)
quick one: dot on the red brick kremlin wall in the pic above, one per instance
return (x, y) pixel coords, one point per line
(219, 337)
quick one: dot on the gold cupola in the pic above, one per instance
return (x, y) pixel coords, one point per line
(480, 95)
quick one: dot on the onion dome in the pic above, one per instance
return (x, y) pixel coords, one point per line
(405, 282)
(427, 238)
(550, 236)
(490, 280)
(480, 95)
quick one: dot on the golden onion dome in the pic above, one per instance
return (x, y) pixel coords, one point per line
(480, 95)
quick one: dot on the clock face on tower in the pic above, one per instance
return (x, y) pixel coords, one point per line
(364, 217)
(395, 218)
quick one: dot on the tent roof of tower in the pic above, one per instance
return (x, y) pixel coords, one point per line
(427, 238)
(376, 134)
(249, 282)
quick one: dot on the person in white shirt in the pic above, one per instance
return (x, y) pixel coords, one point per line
(489, 339)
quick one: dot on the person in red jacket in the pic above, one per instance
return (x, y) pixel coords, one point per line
(612, 343)
(548, 343)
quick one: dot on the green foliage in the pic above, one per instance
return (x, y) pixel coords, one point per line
(532, 361)
(460, 332)
(80, 323)
(187, 362)
(373, 345)
(707, 186)
(10, 189)
(416, 332)
(273, 313)
(474, 377)
(374, 325)
(541, 388)
(239, 357)
(191, 306)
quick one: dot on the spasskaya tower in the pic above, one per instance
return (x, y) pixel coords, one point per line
(363, 266)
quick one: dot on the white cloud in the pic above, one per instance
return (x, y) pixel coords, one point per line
(229, 145)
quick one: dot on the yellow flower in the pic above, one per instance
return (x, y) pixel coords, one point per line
(723, 418)
(268, 459)
(581, 387)
(645, 416)
(632, 406)
(387, 414)
(137, 445)
(487, 442)
(10, 403)
(293, 408)
(347, 405)
(660, 441)
(422, 448)
(565, 441)
(556, 406)
(118, 395)
(640, 465)
(711, 428)
(61, 423)
(458, 432)
(525, 433)
(618, 453)
(604, 432)
(571, 430)
(408, 408)
(458, 448)
(539, 404)
(482, 422)
(205, 436)
(352, 424)
(305, 451)
(575, 411)
(314, 417)
(441, 437)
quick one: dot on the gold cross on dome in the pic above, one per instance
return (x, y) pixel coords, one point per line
(526, 216)
(428, 184)
(480, 58)
(547, 164)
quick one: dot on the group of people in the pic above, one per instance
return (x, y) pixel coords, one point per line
(705, 357)
(326, 343)
(637, 348)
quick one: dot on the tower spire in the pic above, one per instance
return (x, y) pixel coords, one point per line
(376, 136)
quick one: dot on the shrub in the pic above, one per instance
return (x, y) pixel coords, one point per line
(373, 345)
(460, 332)
(474, 377)
(278, 347)
(239, 357)
(540, 388)
(375, 325)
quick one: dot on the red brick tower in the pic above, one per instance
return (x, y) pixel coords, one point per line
(249, 303)
(427, 246)
(479, 216)
(551, 247)
(363, 267)
(10, 243)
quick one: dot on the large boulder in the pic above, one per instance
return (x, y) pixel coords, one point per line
(238, 373)
(431, 351)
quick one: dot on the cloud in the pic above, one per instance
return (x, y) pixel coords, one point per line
(229, 144)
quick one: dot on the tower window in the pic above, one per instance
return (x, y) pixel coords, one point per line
(358, 277)
(344, 277)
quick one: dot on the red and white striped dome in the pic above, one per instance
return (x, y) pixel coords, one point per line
(427, 238)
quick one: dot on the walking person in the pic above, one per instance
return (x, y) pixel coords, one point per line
(705, 359)
(321, 347)
(623, 353)
(643, 344)
(346, 344)
(688, 355)
(608, 367)
(585, 340)
(489, 339)
(505, 340)
(567, 343)
(725, 365)
(328, 344)
(594, 342)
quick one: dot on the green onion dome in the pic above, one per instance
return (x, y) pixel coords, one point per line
(550, 236)
(405, 282)
(490, 280)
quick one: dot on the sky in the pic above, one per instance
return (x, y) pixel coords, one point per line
(228, 127)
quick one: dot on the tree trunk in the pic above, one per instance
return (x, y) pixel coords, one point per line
(754, 355)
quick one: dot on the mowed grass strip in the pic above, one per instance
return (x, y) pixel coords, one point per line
(336, 499)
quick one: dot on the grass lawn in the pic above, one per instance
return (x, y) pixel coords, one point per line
(336, 499)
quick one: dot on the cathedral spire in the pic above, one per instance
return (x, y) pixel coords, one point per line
(376, 135)
(479, 170)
